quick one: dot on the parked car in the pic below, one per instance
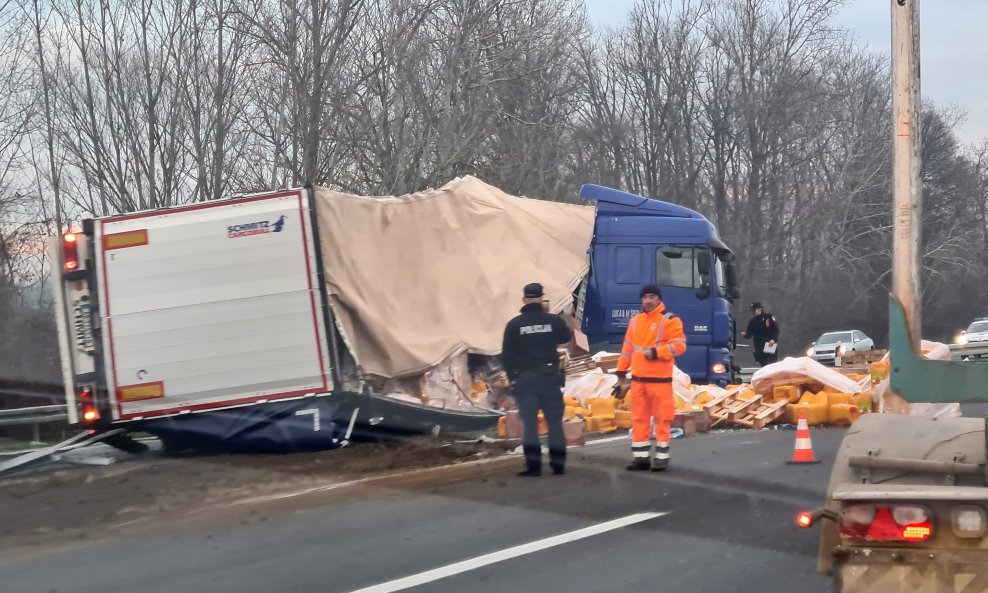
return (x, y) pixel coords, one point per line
(976, 332)
(827, 347)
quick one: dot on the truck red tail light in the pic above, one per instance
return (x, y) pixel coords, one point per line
(804, 519)
(886, 523)
(70, 248)
(89, 412)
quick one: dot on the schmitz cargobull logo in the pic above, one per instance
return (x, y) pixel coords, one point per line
(255, 228)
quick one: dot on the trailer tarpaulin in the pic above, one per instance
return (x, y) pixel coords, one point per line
(416, 279)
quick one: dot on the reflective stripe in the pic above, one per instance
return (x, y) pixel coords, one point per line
(640, 454)
(661, 455)
(663, 445)
(672, 351)
(662, 327)
(625, 355)
(662, 451)
(803, 444)
(639, 444)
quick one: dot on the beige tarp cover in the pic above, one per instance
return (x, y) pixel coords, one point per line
(416, 279)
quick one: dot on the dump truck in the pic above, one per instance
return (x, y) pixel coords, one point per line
(907, 502)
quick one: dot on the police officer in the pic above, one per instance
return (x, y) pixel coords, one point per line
(532, 362)
(762, 329)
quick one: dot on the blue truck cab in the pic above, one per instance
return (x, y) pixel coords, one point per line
(640, 241)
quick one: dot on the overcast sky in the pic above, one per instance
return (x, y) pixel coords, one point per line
(953, 44)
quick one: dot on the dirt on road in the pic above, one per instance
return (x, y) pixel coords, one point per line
(66, 505)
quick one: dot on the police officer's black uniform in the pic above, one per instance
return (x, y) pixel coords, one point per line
(532, 363)
(762, 329)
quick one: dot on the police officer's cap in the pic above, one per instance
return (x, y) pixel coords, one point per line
(533, 290)
(650, 289)
(756, 305)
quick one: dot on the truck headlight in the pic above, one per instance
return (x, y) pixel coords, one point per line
(810, 352)
(961, 340)
(841, 349)
(719, 368)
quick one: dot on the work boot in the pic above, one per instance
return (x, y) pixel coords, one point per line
(638, 464)
(558, 470)
(660, 465)
(530, 473)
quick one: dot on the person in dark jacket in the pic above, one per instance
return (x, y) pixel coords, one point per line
(763, 331)
(531, 360)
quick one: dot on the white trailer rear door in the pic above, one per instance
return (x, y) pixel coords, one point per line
(211, 305)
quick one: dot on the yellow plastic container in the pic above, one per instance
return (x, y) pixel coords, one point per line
(502, 427)
(747, 394)
(571, 401)
(602, 406)
(814, 405)
(569, 412)
(839, 398)
(622, 418)
(879, 370)
(543, 425)
(844, 414)
(601, 423)
(789, 393)
(863, 401)
(702, 398)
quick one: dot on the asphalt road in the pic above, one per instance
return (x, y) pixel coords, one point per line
(723, 521)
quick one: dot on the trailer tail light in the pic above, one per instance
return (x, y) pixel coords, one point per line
(804, 519)
(70, 249)
(89, 412)
(968, 521)
(886, 523)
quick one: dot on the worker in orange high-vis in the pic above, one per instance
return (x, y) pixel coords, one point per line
(654, 339)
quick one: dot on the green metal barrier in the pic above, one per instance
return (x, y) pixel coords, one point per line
(917, 379)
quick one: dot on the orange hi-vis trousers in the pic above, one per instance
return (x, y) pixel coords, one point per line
(651, 401)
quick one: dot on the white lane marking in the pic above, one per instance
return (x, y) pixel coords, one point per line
(487, 559)
(606, 440)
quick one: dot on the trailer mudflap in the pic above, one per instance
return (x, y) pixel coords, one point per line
(888, 570)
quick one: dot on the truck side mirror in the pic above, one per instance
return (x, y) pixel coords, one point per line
(731, 273)
(704, 291)
(703, 262)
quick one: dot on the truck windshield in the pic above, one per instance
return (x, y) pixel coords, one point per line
(677, 266)
(978, 327)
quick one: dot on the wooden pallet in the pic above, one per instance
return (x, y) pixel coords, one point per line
(862, 359)
(717, 409)
(579, 365)
(742, 408)
(763, 415)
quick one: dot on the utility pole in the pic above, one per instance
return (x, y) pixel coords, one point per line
(907, 198)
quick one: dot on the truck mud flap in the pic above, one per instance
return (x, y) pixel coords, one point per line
(913, 571)
(310, 424)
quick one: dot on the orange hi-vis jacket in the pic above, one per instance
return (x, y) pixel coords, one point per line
(660, 330)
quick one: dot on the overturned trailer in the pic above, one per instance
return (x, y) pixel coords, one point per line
(285, 321)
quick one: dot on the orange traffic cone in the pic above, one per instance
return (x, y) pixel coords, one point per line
(803, 452)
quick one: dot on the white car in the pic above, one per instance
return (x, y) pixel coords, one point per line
(827, 347)
(976, 332)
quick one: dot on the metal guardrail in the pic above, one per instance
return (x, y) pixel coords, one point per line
(33, 415)
(973, 351)
(19, 401)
